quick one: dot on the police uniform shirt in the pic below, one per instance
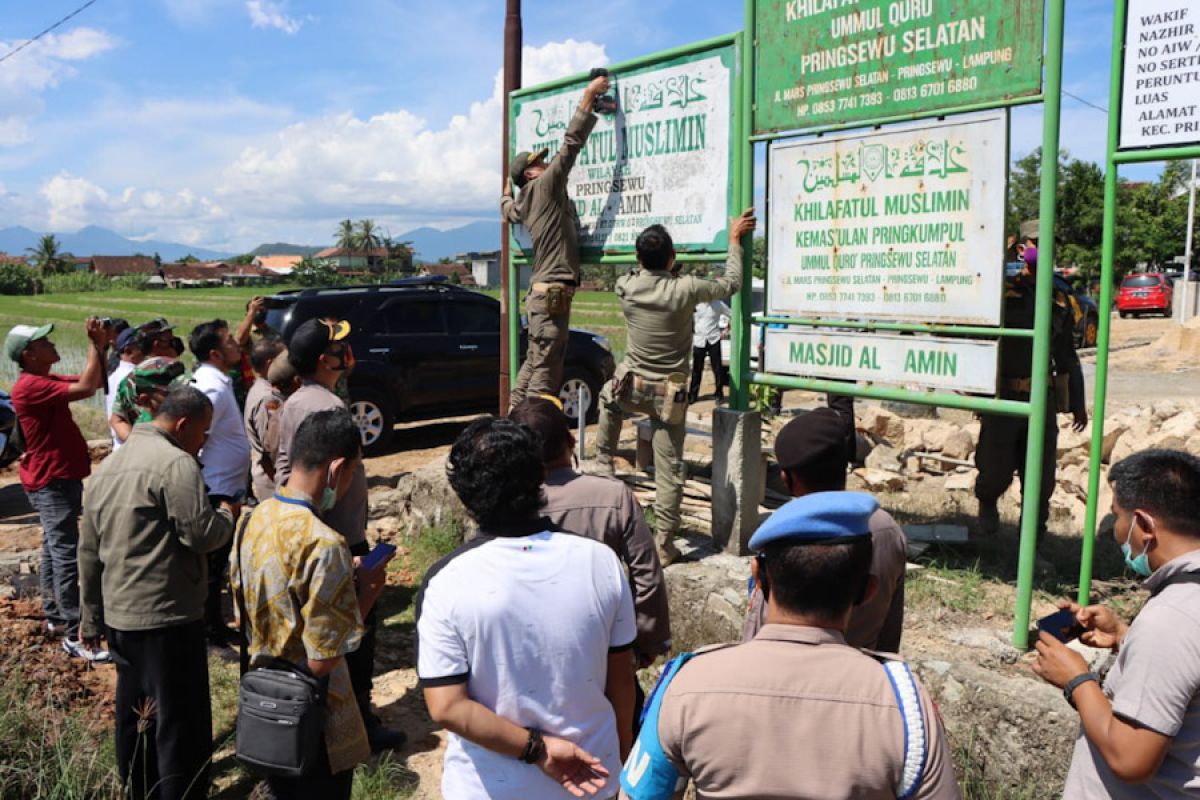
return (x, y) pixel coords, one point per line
(606, 510)
(795, 713)
(878, 623)
(1155, 684)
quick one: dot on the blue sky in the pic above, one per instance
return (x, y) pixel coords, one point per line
(227, 123)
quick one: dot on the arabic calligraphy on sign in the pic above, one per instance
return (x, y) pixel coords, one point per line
(933, 158)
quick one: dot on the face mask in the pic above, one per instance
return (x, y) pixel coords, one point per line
(329, 495)
(1141, 564)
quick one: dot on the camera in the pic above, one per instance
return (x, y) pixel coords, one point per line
(605, 103)
(107, 322)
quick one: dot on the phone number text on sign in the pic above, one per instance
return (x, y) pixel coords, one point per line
(902, 226)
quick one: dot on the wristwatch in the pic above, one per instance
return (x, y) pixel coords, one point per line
(535, 747)
(1075, 683)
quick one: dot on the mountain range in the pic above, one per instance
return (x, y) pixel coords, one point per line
(430, 244)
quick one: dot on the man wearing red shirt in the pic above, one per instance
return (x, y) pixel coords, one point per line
(55, 464)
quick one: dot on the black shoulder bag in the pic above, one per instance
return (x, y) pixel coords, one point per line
(281, 707)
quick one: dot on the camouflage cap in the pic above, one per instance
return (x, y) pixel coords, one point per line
(159, 372)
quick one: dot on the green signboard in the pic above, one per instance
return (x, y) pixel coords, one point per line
(822, 63)
(665, 156)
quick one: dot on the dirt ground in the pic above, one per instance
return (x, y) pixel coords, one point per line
(1138, 376)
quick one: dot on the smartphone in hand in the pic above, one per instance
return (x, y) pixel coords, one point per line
(1062, 625)
(378, 555)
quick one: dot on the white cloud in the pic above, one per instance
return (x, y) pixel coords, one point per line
(39, 67)
(394, 162)
(271, 14)
(293, 183)
(73, 202)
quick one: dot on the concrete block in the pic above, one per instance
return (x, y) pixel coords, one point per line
(738, 478)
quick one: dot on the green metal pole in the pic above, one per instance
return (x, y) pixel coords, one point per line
(1161, 154)
(743, 304)
(1040, 375)
(965, 402)
(912, 117)
(902, 327)
(1108, 247)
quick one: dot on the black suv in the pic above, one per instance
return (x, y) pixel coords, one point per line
(426, 348)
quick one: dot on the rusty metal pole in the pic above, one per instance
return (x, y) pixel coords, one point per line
(512, 82)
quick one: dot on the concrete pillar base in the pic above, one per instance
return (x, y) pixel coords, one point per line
(738, 478)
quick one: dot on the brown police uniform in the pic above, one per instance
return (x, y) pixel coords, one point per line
(1002, 440)
(606, 510)
(877, 623)
(548, 213)
(658, 309)
(262, 402)
(812, 717)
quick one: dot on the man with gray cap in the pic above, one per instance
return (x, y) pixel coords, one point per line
(812, 456)
(546, 211)
(55, 463)
(811, 715)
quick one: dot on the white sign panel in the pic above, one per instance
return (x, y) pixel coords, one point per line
(1160, 86)
(664, 158)
(964, 365)
(902, 226)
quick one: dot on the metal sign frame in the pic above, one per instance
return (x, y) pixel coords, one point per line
(741, 375)
(1114, 160)
(739, 167)
(726, 48)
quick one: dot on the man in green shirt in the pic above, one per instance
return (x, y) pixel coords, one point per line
(548, 213)
(658, 305)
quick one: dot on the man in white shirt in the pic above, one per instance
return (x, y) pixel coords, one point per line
(226, 455)
(709, 321)
(524, 637)
(129, 348)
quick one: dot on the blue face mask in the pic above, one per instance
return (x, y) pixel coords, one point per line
(1141, 564)
(329, 495)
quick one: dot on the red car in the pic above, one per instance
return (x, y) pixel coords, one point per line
(1145, 293)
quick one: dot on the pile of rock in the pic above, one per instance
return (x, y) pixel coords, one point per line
(895, 450)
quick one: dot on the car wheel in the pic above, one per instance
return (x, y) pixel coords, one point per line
(1091, 330)
(576, 380)
(1123, 314)
(374, 417)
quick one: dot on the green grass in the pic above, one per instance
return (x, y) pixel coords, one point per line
(184, 308)
(47, 754)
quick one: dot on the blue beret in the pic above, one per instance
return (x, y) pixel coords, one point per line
(820, 517)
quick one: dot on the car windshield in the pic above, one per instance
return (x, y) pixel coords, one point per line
(277, 318)
(1140, 280)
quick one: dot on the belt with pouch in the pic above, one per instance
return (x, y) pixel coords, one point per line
(545, 287)
(649, 387)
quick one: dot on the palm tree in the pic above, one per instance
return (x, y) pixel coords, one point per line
(345, 237)
(46, 256)
(368, 239)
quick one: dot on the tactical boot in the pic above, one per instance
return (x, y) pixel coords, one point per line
(600, 465)
(668, 553)
(989, 517)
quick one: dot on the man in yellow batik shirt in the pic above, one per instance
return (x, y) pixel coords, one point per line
(296, 578)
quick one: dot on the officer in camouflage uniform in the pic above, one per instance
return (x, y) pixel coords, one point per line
(548, 213)
(142, 391)
(658, 305)
(1002, 439)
